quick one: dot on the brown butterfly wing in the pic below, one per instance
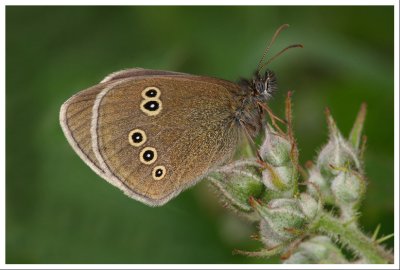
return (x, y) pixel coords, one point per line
(76, 116)
(75, 119)
(193, 132)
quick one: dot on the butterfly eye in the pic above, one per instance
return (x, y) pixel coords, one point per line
(260, 87)
(151, 92)
(151, 107)
(148, 155)
(137, 137)
(159, 172)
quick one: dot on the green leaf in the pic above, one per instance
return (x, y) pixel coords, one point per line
(356, 131)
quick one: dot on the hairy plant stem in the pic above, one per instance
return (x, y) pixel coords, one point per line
(370, 251)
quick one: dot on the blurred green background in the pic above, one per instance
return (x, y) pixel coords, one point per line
(59, 211)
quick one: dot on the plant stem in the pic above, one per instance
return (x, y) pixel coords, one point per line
(354, 238)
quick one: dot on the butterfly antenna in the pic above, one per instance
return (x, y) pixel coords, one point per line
(277, 32)
(279, 53)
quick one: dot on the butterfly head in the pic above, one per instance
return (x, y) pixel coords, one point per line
(264, 85)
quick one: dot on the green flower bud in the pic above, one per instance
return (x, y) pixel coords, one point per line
(318, 249)
(309, 206)
(348, 188)
(336, 153)
(283, 220)
(275, 149)
(279, 178)
(323, 185)
(237, 186)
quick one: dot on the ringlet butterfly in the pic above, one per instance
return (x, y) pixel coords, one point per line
(154, 133)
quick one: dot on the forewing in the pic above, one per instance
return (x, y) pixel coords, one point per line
(76, 116)
(192, 133)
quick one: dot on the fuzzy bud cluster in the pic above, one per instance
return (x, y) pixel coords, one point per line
(318, 249)
(283, 220)
(280, 172)
(274, 177)
(338, 172)
(292, 219)
(238, 182)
